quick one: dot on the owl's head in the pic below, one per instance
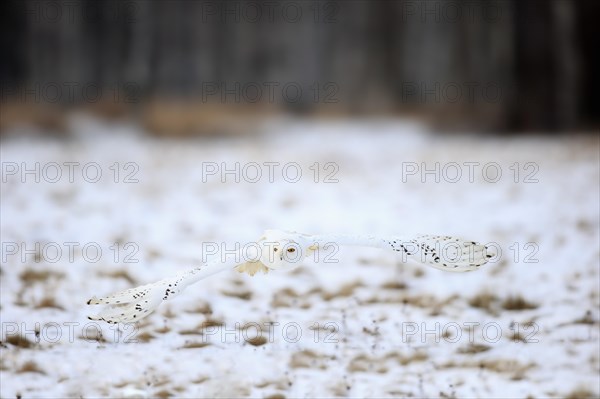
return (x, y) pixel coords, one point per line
(284, 249)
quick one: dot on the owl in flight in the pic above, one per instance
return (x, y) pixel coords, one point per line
(286, 250)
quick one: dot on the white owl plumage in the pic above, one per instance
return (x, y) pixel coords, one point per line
(284, 250)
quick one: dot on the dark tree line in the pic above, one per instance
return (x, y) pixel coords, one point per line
(502, 64)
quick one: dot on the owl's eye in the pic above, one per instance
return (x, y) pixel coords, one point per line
(274, 249)
(291, 249)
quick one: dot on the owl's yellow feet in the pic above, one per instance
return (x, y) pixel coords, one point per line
(252, 268)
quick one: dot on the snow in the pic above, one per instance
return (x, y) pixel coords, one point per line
(357, 317)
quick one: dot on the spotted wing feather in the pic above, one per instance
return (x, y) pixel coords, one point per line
(443, 252)
(134, 304)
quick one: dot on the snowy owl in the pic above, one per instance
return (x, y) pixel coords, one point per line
(285, 250)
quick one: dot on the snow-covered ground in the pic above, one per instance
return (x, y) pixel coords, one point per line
(368, 325)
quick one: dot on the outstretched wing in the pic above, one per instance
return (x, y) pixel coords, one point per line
(442, 252)
(136, 303)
